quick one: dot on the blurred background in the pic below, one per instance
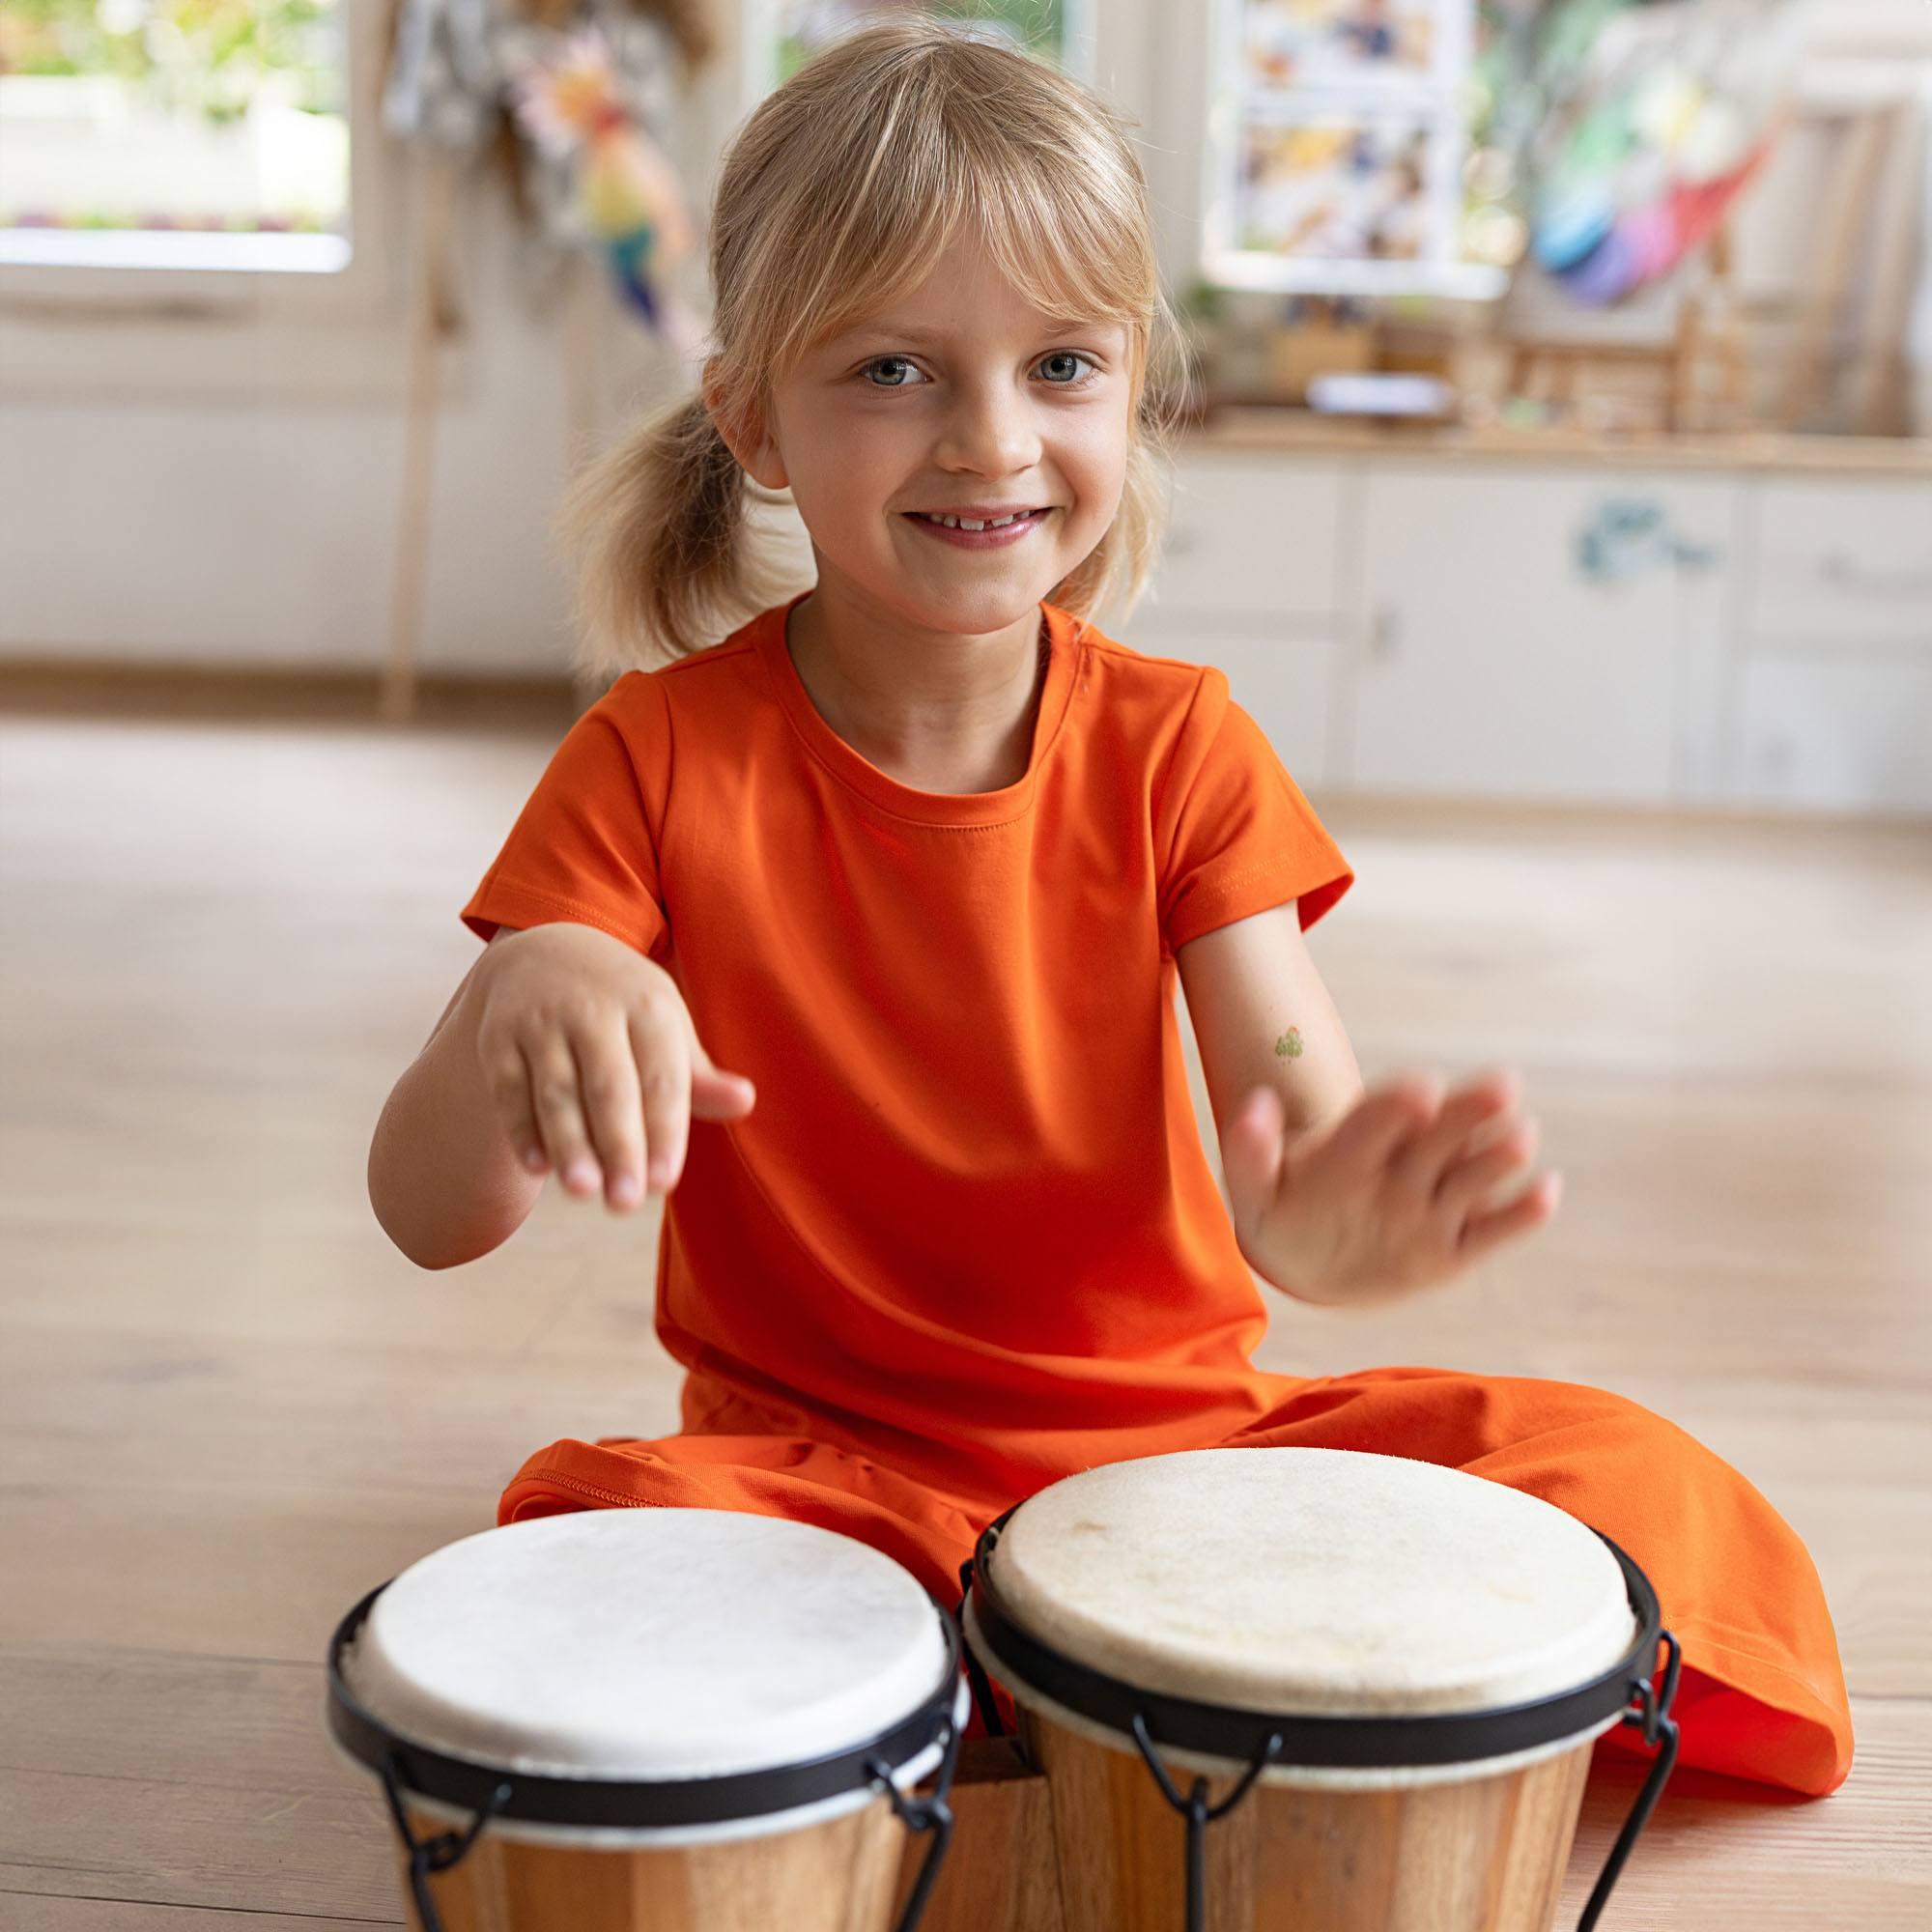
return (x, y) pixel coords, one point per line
(1556, 490)
(1581, 345)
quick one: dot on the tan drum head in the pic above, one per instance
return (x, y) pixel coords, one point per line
(1314, 1581)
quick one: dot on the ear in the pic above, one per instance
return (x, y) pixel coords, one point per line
(749, 442)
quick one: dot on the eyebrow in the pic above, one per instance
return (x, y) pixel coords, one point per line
(910, 332)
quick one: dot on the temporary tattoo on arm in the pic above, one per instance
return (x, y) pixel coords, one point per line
(1289, 1045)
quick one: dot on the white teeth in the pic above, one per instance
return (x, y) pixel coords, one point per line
(968, 524)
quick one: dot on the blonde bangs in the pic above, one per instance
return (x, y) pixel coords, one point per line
(883, 168)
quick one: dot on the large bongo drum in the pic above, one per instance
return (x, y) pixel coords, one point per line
(1282, 1689)
(679, 1720)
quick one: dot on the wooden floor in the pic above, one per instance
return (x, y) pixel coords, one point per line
(228, 1408)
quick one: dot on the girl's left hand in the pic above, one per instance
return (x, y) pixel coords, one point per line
(1389, 1197)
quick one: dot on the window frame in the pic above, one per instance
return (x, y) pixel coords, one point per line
(333, 333)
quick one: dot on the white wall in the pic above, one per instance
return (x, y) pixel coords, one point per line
(202, 469)
(260, 527)
(223, 485)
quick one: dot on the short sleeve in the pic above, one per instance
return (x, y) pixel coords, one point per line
(585, 848)
(1234, 833)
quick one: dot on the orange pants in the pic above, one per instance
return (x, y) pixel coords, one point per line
(1762, 1695)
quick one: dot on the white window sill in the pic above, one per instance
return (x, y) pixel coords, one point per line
(175, 248)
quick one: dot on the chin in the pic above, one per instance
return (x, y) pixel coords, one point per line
(965, 610)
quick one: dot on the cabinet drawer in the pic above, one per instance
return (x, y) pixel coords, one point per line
(1501, 661)
(1842, 562)
(1249, 535)
(1846, 736)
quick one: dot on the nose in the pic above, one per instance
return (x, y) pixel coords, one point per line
(989, 430)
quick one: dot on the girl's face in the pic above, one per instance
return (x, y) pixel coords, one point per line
(960, 397)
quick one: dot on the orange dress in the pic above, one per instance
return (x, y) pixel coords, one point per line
(968, 1240)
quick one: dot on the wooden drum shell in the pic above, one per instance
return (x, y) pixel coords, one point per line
(1486, 1854)
(838, 1875)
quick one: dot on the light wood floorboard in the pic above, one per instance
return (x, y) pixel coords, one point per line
(228, 1408)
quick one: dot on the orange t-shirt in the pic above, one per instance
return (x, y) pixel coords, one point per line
(968, 1228)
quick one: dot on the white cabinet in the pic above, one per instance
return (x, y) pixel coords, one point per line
(1485, 627)
(1250, 580)
(1258, 537)
(1842, 563)
(1539, 634)
(1835, 681)
(1853, 734)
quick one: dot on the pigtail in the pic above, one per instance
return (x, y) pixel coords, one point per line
(657, 529)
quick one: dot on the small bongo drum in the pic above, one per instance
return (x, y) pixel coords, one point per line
(680, 1720)
(1299, 1688)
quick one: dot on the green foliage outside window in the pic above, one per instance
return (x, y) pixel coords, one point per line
(1037, 25)
(207, 56)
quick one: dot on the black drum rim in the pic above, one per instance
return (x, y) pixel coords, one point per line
(1326, 1742)
(554, 1799)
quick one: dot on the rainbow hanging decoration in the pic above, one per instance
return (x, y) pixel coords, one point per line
(624, 198)
(1652, 152)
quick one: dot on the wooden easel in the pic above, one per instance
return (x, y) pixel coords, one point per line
(1871, 131)
(1677, 362)
(434, 319)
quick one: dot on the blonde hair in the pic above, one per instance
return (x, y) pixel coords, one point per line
(842, 190)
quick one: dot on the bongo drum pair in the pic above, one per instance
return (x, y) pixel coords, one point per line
(1258, 1690)
(654, 1720)
(1305, 1688)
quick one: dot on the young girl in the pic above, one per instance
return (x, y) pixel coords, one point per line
(856, 934)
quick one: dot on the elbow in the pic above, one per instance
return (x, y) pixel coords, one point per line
(398, 1238)
(395, 1225)
(420, 1244)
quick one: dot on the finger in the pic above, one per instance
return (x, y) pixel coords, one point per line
(715, 1094)
(607, 1077)
(661, 1052)
(1466, 1182)
(1530, 1209)
(1362, 1146)
(507, 1076)
(1250, 1152)
(559, 1111)
(1422, 1163)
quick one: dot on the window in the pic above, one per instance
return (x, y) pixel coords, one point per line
(783, 34)
(196, 135)
(1337, 134)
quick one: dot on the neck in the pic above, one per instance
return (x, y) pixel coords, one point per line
(946, 710)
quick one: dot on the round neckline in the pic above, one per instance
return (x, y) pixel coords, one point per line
(858, 771)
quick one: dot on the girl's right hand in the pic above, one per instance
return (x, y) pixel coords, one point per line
(593, 1063)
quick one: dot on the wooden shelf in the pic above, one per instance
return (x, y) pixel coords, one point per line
(1299, 432)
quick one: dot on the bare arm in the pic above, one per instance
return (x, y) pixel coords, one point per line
(1262, 1018)
(444, 1176)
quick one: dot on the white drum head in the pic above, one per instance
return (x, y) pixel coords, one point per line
(643, 1644)
(1314, 1582)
